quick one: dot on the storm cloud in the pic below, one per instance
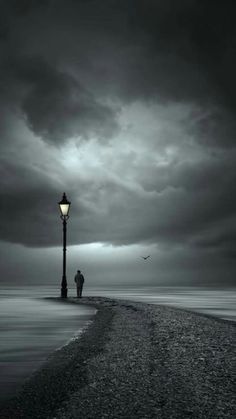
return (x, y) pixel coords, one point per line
(129, 107)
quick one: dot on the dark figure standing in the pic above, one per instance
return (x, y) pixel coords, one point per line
(79, 280)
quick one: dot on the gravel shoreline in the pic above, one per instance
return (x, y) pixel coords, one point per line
(138, 361)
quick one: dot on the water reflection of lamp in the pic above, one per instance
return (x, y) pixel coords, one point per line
(64, 208)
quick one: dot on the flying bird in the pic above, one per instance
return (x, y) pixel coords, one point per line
(145, 257)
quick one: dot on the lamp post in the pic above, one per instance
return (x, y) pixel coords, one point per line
(64, 209)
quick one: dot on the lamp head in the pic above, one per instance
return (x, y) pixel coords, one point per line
(64, 207)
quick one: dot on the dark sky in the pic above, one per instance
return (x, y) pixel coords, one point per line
(128, 107)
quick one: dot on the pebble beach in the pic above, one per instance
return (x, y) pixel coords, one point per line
(135, 360)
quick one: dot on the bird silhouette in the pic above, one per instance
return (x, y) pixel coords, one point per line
(145, 257)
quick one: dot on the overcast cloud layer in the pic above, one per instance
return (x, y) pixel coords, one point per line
(128, 107)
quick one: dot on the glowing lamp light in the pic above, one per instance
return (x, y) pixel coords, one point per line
(64, 207)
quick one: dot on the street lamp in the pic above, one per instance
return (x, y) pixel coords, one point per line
(64, 208)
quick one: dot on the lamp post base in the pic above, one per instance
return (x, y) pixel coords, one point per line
(63, 293)
(63, 287)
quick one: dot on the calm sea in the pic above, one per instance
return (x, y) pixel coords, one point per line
(32, 327)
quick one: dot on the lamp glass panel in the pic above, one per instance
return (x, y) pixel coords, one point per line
(64, 209)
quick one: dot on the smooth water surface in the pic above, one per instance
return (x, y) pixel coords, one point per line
(30, 329)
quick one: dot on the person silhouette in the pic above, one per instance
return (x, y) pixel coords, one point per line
(79, 280)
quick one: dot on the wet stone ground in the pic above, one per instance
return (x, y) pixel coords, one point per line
(136, 361)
